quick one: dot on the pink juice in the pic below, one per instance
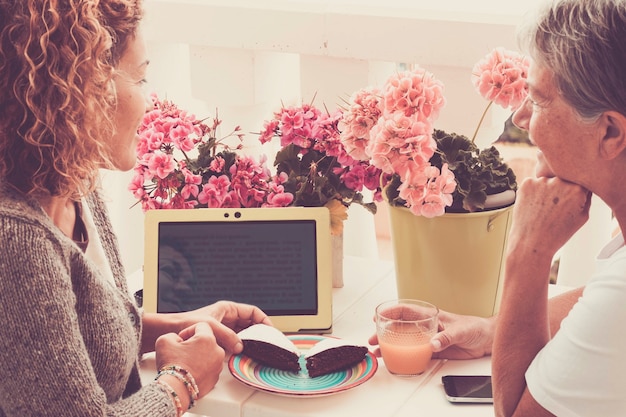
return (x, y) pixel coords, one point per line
(406, 353)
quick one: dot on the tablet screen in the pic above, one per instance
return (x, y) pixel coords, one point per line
(272, 265)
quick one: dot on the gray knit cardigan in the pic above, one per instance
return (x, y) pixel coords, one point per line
(69, 340)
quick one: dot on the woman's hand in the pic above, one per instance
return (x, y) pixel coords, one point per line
(459, 337)
(196, 350)
(199, 340)
(548, 211)
(226, 319)
(463, 337)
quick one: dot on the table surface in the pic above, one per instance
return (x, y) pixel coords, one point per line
(367, 282)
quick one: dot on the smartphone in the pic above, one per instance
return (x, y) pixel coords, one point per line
(468, 388)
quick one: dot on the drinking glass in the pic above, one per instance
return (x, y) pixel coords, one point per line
(404, 328)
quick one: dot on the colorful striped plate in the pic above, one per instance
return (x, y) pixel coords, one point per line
(279, 382)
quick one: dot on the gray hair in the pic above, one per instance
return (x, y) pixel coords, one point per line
(583, 43)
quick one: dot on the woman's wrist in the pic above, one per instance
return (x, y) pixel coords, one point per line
(489, 330)
(184, 376)
(158, 324)
(177, 391)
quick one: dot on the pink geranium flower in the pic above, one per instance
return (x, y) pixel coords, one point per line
(500, 77)
(166, 176)
(192, 182)
(357, 122)
(416, 94)
(161, 165)
(393, 128)
(314, 165)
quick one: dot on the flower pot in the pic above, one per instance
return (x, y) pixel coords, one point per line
(453, 261)
(337, 260)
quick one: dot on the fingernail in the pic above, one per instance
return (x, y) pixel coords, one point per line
(436, 344)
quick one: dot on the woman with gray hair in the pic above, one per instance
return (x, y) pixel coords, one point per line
(563, 356)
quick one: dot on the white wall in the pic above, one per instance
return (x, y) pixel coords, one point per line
(246, 57)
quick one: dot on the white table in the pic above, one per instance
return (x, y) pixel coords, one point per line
(368, 282)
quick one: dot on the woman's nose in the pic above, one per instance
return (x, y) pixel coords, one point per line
(522, 115)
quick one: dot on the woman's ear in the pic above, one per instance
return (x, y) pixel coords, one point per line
(614, 134)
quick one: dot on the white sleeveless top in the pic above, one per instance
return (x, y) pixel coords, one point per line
(95, 251)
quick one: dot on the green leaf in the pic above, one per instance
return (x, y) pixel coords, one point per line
(478, 173)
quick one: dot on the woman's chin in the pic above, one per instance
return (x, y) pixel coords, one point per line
(542, 169)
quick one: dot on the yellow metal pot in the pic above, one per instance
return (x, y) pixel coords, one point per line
(453, 261)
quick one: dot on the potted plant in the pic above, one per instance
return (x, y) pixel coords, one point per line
(182, 163)
(318, 170)
(448, 239)
(479, 174)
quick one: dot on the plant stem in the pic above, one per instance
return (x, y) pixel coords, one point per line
(480, 122)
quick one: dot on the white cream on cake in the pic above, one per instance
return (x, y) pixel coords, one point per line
(268, 334)
(329, 343)
(332, 355)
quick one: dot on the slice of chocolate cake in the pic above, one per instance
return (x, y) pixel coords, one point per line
(269, 346)
(332, 355)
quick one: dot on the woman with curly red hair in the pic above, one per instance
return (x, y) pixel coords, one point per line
(71, 77)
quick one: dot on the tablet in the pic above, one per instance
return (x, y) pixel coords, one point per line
(278, 259)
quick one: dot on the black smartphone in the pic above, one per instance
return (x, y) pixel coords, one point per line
(468, 388)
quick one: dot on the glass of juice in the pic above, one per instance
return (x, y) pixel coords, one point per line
(404, 328)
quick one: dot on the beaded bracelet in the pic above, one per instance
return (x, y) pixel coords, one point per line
(187, 379)
(172, 393)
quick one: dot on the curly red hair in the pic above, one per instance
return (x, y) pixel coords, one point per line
(57, 61)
